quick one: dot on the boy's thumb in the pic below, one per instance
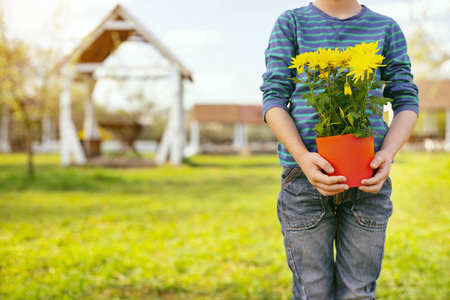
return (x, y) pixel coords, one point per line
(375, 163)
(325, 165)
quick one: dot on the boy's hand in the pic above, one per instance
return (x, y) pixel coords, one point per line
(312, 166)
(382, 162)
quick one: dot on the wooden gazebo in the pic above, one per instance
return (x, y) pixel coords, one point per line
(117, 27)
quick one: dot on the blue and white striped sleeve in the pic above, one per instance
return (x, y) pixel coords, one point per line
(398, 71)
(277, 89)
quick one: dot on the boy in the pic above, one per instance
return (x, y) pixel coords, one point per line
(316, 210)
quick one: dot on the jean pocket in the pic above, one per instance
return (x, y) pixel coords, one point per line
(288, 176)
(301, 204)
(374, 210)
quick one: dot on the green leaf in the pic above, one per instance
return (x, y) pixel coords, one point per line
(378, 84)
(319, 128)
(323, 99)
(376, 109)
(312, 101)
(316, 79)
(362, 133)
(357, 133)
(381, 100)
(295, 80)
(342, 113)
(350, 118)
(355, 114)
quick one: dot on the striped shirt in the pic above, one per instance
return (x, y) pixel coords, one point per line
(306, 29)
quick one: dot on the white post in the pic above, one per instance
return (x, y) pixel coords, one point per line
(240, 140)
(4, 142)
(447, 130)
(245, 136)
(174, 136)
(46, 134)
(163, 148)
(91, 132)
(90, 126)
(430, 123)
(70, 144)
(194, 143)
(176, 153)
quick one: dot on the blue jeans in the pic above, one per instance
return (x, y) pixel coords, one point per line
(354, 222)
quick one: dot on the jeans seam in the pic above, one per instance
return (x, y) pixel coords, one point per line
(289, 251)
(313, 224)
(284, 224)
(367, 224)
(337, 287)
(294, 265)
(290, 177)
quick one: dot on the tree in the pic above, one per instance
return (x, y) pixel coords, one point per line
(28, 86)
(15, 87)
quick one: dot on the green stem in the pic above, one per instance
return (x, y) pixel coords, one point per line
(364, 102)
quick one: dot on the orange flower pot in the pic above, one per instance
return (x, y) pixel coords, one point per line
(350, 156)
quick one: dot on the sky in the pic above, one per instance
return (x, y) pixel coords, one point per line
(221, 42)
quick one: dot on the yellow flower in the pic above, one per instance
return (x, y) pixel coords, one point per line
(363, 49)
(344, 56)
(347, 89)
(314, 61)
(362, 65)
(299, 62)
(324, 75)
(336, 60)
(324, 58)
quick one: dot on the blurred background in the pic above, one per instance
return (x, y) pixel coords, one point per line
(220, 45)
(134, 162)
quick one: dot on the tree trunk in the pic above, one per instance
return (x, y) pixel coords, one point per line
(29, 141)
(29, 137)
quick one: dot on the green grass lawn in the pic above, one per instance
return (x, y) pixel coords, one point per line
(206, 230)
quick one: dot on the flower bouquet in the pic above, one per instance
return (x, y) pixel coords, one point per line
(339, 83)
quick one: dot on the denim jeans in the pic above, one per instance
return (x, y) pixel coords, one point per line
(354, 222)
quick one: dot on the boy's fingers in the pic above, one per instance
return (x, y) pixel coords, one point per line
(372, 181)
(373, 189)
(330, 185)
(374, 184)
(328, 180)
(380, 176)
(328, 190)
(375, 163)
(324, 164)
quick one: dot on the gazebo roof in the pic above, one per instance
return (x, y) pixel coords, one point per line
(116, 28)
(434, 94)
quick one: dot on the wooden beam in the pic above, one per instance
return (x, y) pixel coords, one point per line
(122, 22)
(86, 67)
(118, 25)
(146, 35)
